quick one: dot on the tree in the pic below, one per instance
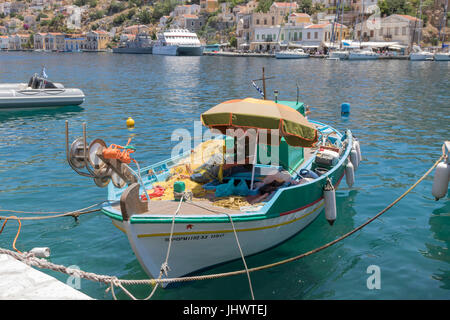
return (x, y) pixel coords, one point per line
(264, 5)
(145, 17)
(233, 41)
(306, 6)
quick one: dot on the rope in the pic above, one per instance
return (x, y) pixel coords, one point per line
(242, 256)
(329, 244)
(74, 214)
(31, 260)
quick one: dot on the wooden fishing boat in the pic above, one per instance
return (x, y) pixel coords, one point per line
(278, 201)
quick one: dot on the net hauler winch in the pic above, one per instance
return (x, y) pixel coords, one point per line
(96, 160)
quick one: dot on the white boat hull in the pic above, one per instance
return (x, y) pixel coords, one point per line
(33, 98)
(421, 56)
(176, 50)
(442, 56)
(195, 247)
(281, 55)
(362, 56)
(341, 55)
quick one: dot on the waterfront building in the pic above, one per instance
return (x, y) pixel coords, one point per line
(4, 42)
(317, 35)
(399, 28)
(55, 41)
(38, 41)
(310, 36)
(97, 41)
(18, 41)
(74, 42)
(244, 30)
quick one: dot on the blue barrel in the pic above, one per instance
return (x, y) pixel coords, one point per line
(345, 109)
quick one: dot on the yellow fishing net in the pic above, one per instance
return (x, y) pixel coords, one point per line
(183, 170)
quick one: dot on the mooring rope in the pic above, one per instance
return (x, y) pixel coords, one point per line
(75, 213)
(31, 260)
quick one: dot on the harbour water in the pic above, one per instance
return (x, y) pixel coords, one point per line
(399, 111)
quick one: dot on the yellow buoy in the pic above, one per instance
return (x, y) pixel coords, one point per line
(130, 122)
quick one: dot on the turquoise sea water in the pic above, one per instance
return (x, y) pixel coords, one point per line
(399, 111)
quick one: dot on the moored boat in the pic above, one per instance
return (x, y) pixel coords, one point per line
(177, 42)
(291, 54)
(38, 92)
(339, 55)
(193, 202)
(363, 55)
(442, 56)
(419, 55)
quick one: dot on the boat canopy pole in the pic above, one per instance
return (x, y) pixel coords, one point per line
(254, 160)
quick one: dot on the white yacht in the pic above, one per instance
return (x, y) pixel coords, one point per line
(442, 56)
(338, 55)
(419, 55)
(178, 42)
(291, 54)
(363, 55)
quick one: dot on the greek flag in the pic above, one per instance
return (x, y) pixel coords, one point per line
(44, 75)
(257, 88)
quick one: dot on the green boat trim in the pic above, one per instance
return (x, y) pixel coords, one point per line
(285, 200)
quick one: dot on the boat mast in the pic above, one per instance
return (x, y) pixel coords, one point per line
(362, 21)
(342, 23)
(443, 25)
(333, 28)
(414, 31)
(420, 17)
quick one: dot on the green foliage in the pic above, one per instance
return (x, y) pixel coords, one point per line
(233, 41)
(145, 16)
(41, 15)
(118, 20)
(115, 7)
(136, 3)
(163, 8)
(234, 3)
(98, 14)
(306, 6)
(92, 3)
(264, 5)
(409, 7)
(80, 3)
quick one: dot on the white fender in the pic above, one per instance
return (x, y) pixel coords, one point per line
(330, 205)
(357, 146)
(354, 158)
(349, 174)
(41, 252)
(440, 181)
